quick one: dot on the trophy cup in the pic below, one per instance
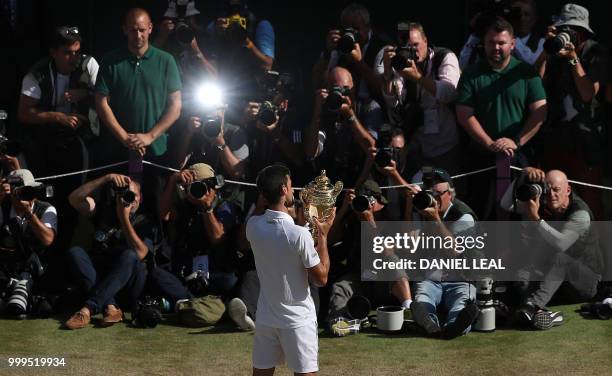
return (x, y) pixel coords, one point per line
(319, 198)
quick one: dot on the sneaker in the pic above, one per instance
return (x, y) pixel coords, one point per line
(422, 318)
(545, 320)
(79, 320)
(524, 314)
(238, 313)
(112, 315)
(464, 320)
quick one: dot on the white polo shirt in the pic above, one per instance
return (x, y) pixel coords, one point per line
(283, 251)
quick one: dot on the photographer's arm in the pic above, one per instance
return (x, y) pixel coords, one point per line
(232, 165)
(586, 88)
(265, 62)
(81, 198)
(44, 234)
(28, 113)
(132, 238)
(363, 138)
(165, 201)
(562, 240)
(214, 228)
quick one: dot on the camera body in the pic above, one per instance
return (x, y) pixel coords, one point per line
(199, 188)
(197, 282)
(348, 37)
(236, 32)
(148, 312)
(268, 113)
(565, 35)
(402, 55)
(28, 193)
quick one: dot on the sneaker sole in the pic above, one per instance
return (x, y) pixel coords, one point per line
(237, 311)
(543, 321)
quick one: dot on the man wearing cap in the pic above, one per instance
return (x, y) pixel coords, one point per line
(200, 231)
(440, 288)
(574, 67)
(109, 258)
(361, 208)
(29, 226)
(501, 104)
(56, 109)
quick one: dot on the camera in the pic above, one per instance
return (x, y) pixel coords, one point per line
(348, 38)
(211, 126)
(197, 282)
(17, 303)
(402, 55)
(103, 238)
(423, 200)
(385, 153)
(27, 192)
(384, 156)
(564, 36)
(268, 113)
(334, 99)
(127, 196)
(602, 311)
(199, 188)
(236, 31)
(362, 203)
(148, 313)
(484, 299)
(183, 33)
(529, 191)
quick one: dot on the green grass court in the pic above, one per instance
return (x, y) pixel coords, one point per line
(579, 347)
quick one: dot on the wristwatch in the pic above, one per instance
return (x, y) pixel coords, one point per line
(220, 147)
(574, 61)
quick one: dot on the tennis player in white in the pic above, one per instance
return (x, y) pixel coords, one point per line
(286, 259)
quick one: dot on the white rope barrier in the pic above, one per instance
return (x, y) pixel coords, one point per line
(297, 188)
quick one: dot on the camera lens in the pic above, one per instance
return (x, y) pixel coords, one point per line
(267, 113)
(423, 200)
(26, 193)
(184, 33)
(198, 189)
(212, 127)
(347, 41)
(383, 157)
(528, 192)
(334, 100)
(360, 203)
(128, 197)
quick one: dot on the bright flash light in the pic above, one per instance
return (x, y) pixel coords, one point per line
(210, 96)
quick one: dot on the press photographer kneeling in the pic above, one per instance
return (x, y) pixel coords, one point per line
(28, 228)
(564, 237)
(111, 260)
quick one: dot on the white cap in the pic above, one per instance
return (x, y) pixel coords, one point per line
(171, 11)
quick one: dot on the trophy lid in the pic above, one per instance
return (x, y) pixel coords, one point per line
(322, 183)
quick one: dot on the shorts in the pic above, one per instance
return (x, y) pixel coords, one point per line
(298, 346)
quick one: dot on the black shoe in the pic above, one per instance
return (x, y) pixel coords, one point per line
(545, 320)
(422, 318)
(465, 318)
(524, 314)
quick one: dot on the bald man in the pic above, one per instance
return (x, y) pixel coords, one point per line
(337, 138)
(138, 94)
(569, 244)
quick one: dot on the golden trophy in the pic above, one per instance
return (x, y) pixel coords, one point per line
(319, 198)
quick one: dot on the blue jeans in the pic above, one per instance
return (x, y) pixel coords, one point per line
(452, 296)
(125, 273)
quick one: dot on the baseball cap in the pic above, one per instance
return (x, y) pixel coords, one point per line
(371, 188)
(172, 13)
(202, 171)
(26, 176)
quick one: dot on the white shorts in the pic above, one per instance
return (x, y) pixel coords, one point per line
(298, 346)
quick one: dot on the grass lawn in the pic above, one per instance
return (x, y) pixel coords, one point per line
(580, 346)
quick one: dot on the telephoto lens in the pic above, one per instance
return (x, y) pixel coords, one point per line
(347, 41)
(526, 192)
(423, 200)
(268, 113)
(559, 41)
(17, 303)
(362, 203)
(211, 127)
(334, 99)
(383, 157)
(198, 189)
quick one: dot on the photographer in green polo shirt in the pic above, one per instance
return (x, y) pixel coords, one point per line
(501, 103)
(138, 94)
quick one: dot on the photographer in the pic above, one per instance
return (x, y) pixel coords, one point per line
(563, 238)
(199, 226)
(437, 204)
(337, 139)
(28, 228)
(210, 139)
(357, 48)
(58, 118)
(500, 119)
(111, 259)
(574, 68)
(522, 14)
(419, 89)
(180, 35)
(365, 204)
